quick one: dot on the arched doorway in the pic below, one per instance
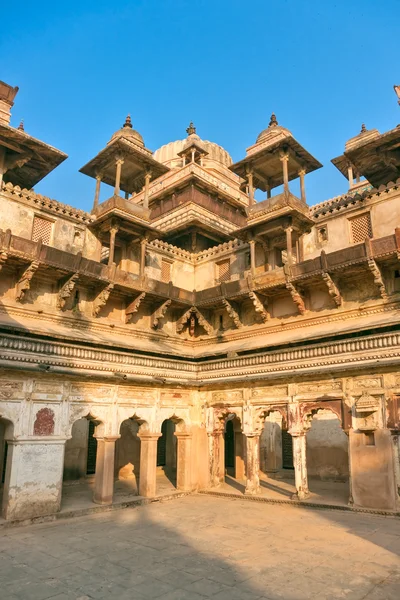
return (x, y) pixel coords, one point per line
(80, 458)
(167, 450)
(6, 434)
(127, 458)
(327, 452)
(234, 451)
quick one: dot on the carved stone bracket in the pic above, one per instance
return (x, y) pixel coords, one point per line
(259, 307)
(232, 312)
(24, 282)
(378, 279)
(134, 307)
(66, 291)
(180, 324)
(333, 290)
(3, 259)
(101, 299)
(296, 297)
(159, 313)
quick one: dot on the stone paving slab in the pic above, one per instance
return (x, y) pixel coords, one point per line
(201, 547)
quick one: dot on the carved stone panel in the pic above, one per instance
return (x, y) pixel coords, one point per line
(44, 422)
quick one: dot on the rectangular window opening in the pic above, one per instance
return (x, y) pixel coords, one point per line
(223, 271)
(165, 271)
(361, 228)
(42, 229)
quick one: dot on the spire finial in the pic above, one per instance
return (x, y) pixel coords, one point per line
(363, 128)
(273, 122)
(191, 129)
(128, 122)
(397, 92)
(21, 126)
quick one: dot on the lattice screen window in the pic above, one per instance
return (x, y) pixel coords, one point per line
(361, 228)
(105, 253)
(42, 229)
(165, 271)
(223, 271)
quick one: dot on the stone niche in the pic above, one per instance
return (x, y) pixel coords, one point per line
(367, 412)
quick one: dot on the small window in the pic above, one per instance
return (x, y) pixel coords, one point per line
(369, 438)
(165, 271)
(42, 229)
(322, 234)
(105, 253)
(223, 271)
(361, 228)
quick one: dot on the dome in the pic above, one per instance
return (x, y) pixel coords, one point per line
(273, 129)
(127, 132)
(168, 154)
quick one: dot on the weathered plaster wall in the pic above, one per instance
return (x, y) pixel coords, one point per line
(327, 448)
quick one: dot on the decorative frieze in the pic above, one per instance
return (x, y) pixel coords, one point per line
(228, 396)
(10, 389)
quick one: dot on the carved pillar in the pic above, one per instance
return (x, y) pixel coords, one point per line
(119, 164)
(104, 477)
(251, 188)
(184, 459)
(300, 466)
(252, 463)
(217, 458)
(350, 174)
(148, 464)
(289, 243)
(252, 245)
(143, 244)
(147, 178)
(97, 192)
(113, 233)
(302, 173)
(285, 159)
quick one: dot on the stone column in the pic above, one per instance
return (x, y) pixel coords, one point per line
(33, 480)
(104, 477)
(350, 175)
(184, 459)
(285, 159)
(217, 458)
(251, 187)
(97, 192)
(119, 162)
(252, 245)
(143, 244)
(113, 233)
(302, 173)
(147, 178)
(268, 193)
(300, 466)
(252, 463)
(289, 243)
(240, 471)
(148, 464)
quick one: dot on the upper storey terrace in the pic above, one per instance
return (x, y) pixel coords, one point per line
(182, 234)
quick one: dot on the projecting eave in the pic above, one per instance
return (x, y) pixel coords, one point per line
(378, 160)
(137, 161)
(29, 160)
(265, 162)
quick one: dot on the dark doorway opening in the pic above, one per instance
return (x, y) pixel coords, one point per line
(287, 450)
(92, 450)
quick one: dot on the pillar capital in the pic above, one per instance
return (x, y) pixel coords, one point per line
(183, 435)
(284, 156)
(107, 438)
(119, 161)
(147, 436)
(301, 172)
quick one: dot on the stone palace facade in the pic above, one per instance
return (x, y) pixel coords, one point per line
(183, 324)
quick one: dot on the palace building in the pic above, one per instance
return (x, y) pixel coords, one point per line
(184, 327)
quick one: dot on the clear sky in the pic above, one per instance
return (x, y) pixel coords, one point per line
(324, 67)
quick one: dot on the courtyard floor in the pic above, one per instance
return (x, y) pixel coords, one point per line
(199, 547)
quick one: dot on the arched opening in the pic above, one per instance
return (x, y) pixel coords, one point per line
(167, 452)
(234, 450)
(80, 462)
(127, 458)
(6, 434)
(327, 452)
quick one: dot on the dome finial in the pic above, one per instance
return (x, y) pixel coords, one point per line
(273, 122)
(128, 122)
(363, 128)
(191, 129)
(21, 126)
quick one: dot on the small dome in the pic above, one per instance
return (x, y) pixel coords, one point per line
(273, 128)
(127, 132)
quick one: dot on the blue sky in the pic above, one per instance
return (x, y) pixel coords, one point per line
(323, 68)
